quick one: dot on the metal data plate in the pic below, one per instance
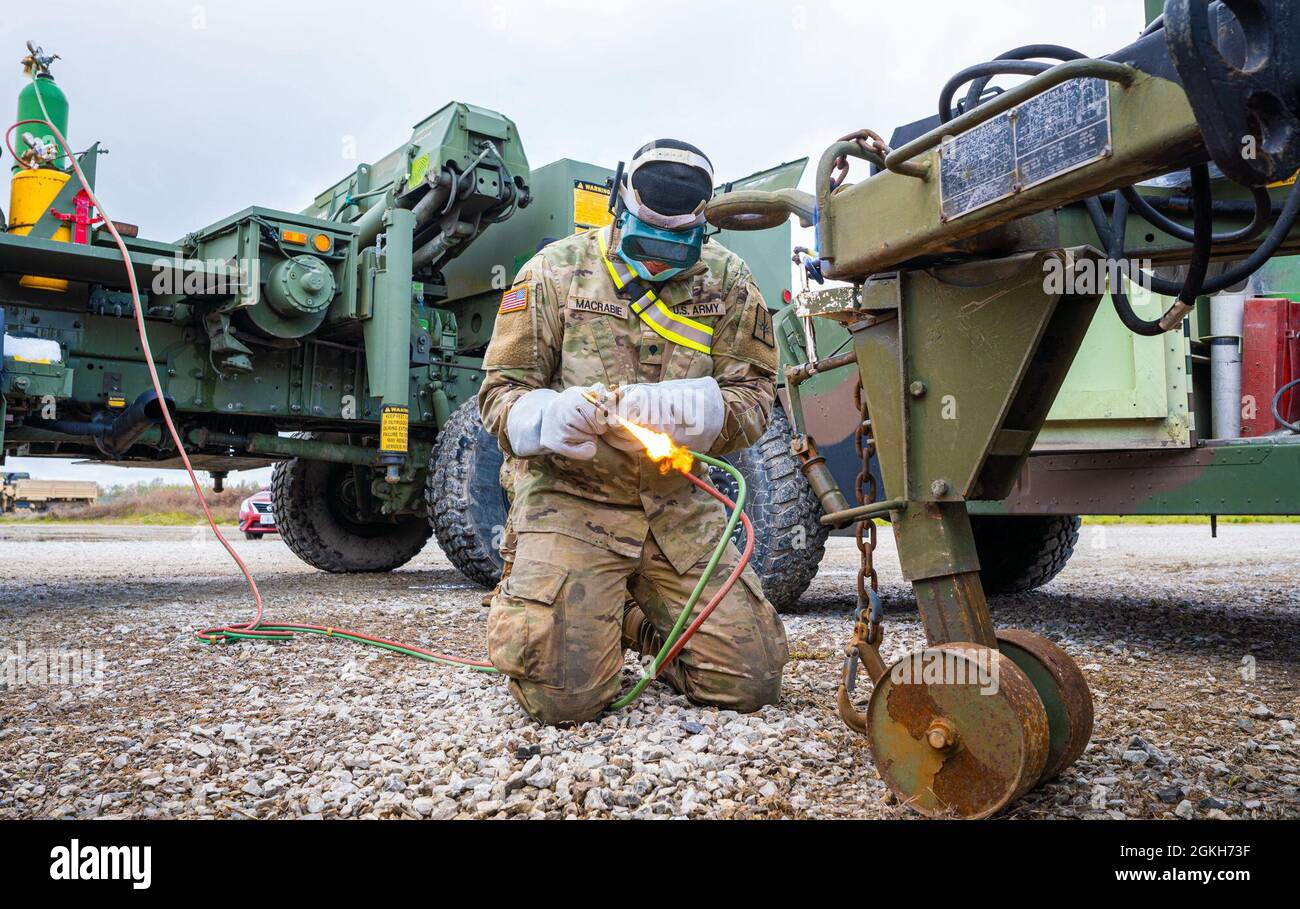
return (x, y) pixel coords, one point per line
(1061, 130)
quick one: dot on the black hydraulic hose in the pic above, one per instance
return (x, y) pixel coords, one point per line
(1202, 236)
(1054, 52)
(456, 189)
(1232, 276)
(1182, 205)
(1103, 227)
(1266, 250)
(1112, 236)
(1263, 215)
(1114, 252)
(1277, 405)
(984, 72)
(1192, 286)
(980, 74)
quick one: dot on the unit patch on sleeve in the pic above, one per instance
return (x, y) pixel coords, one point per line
(514, 300)
(763, 326)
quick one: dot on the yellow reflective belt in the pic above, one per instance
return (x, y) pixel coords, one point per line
(653, 312)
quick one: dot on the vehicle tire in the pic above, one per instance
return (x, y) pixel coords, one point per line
(467, 506)
(1022, 553)
(317, 517)
(248, 535)
(789, 541)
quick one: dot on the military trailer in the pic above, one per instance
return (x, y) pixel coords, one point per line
(1068, 297)
(1178, 425)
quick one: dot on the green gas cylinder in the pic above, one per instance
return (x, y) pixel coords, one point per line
(29, 108)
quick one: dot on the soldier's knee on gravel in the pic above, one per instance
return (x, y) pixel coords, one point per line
(736, 658)
(561, 622)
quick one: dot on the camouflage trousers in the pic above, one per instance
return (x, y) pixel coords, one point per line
(556, 629)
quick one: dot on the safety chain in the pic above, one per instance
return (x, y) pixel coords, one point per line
(865, 445)
(868, 627)
(872, 146)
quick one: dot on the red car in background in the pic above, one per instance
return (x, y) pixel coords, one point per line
(256, 518)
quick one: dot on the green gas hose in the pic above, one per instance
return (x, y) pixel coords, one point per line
(677, 637)
(660, 658)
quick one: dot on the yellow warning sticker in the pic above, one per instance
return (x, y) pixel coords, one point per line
(590, 205)
(393, 424)
(1290, 182)
(116, 401)
(419, 167)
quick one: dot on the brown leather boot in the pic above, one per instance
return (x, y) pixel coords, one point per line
(636, 628)
(640, 634)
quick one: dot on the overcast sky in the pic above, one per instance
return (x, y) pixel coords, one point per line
(209, 107)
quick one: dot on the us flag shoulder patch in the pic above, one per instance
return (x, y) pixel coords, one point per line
(514, 299)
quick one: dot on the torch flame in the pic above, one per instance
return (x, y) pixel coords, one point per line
(660, 447)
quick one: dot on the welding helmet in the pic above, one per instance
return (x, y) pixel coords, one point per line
(659, 204)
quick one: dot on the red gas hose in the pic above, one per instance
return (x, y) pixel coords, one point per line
(732, 578)
(254, 628)
(146, 350)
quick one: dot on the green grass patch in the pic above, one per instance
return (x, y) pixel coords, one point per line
(158, 518)
(145, 503)
(1190, 519)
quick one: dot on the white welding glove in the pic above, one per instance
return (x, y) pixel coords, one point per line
(691, 411)
(545, 421)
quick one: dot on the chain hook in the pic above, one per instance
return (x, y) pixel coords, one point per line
(868, 626)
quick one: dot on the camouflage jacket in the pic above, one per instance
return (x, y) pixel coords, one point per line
(563, 323)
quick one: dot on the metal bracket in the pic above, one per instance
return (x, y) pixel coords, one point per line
(1242, 81)
(49, 223)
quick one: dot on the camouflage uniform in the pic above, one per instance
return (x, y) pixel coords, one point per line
(512, 470)
(588, 533)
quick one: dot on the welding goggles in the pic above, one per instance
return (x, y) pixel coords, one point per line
(659, 203)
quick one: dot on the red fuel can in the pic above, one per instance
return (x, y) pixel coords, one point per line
(1270, 358)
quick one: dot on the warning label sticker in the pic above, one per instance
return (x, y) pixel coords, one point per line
(590, 205)
(419, 167)
(393, 424)
(1061, 130)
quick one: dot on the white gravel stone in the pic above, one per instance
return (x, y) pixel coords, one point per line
(321, 728)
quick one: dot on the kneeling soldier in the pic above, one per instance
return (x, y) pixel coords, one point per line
(609, 547)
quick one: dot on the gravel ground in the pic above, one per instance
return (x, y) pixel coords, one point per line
(1192, 660)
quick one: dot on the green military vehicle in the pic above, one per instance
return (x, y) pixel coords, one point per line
(341, 343)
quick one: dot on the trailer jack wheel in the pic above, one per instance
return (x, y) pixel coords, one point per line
(957, 730)
(1062, 689)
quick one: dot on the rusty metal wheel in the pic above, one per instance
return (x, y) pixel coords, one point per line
(1063, 691)
(957, 730)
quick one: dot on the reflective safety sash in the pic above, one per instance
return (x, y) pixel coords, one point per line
(652, 311)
